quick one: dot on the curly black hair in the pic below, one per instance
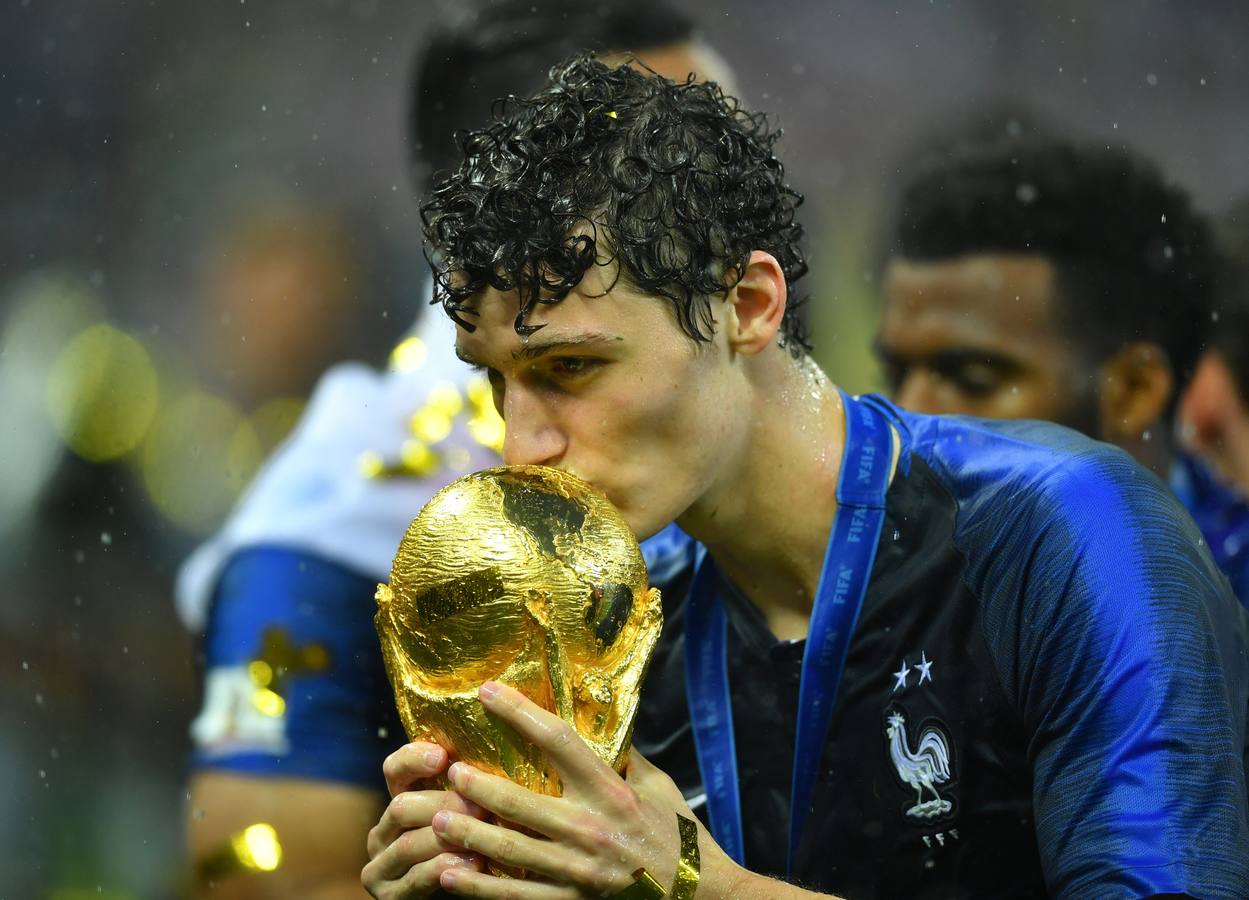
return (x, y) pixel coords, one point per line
(1133, 259)
(674, 182)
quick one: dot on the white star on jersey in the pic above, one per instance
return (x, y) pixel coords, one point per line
(901, 675)
(924, 668)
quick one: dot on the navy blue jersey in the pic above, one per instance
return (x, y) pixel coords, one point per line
(1046, 692)
(1222, 514)
(294, 683)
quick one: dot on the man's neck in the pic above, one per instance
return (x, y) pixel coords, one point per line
(766, 522)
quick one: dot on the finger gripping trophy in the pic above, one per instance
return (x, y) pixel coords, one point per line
(528, 576)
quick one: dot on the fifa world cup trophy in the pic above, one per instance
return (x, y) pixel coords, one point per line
(528, 576)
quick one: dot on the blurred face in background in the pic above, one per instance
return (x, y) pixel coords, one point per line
(676, 61)
(979, 335)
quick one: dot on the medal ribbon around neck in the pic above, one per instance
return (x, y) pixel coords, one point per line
(861, 489)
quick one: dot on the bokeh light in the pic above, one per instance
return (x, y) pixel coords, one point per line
(199, 454)
(102, 393)
(257, 847)
(45, 310)
(408, 355)
(276, 419)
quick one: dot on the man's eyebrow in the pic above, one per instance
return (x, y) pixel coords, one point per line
(951, 357)
(535, 347)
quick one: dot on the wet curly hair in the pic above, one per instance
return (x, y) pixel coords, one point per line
(674, 183)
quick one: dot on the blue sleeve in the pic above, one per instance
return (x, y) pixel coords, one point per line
(294, 681)
(1125, 654)
(669, 554)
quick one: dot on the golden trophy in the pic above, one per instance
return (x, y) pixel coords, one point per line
(528, 576)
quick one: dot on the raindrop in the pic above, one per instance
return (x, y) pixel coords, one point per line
(1214, 316)
(1026, 193)
(383, 732)
(1151, 79)
(25, 666)
(896, 534)
(106, 538)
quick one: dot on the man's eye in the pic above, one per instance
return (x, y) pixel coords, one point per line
(976, 380)
(894, 374)
(567, 366)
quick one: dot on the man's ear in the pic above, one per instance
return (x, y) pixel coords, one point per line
(1207, 403)
(1136, 386)
(756, 304)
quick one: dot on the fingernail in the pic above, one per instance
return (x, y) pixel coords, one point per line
(448, 878)
(433, 757)
(441, 821)
(489, 690)
(456, 770)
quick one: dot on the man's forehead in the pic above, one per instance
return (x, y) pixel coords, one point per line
(1007, 291)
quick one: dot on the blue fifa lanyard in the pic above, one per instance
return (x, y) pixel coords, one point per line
(861, 489)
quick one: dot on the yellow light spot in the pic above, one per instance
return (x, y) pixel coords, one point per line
(102, 393)
(445, 397)
(418, 458)
(199, 454)
(371, 464)
(276, 419)
(268, 703)
(612, 113)
(488, 431)
(410, 354)
(257, 847)
(480, 394)
(458, 458)
(431, 425)
(316, 657)
(260, 672)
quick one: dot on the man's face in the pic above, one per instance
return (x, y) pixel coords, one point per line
(613, 391)
(978, 335)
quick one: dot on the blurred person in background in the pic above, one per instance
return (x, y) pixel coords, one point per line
(1031, 276)
(1212, 478)
(297, 713)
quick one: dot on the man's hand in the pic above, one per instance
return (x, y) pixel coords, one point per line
(406, 856)
(593, 838)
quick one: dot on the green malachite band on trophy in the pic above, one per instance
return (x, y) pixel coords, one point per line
(685, 883)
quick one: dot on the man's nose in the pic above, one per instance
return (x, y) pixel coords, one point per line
(919, 392)
(533, 436)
